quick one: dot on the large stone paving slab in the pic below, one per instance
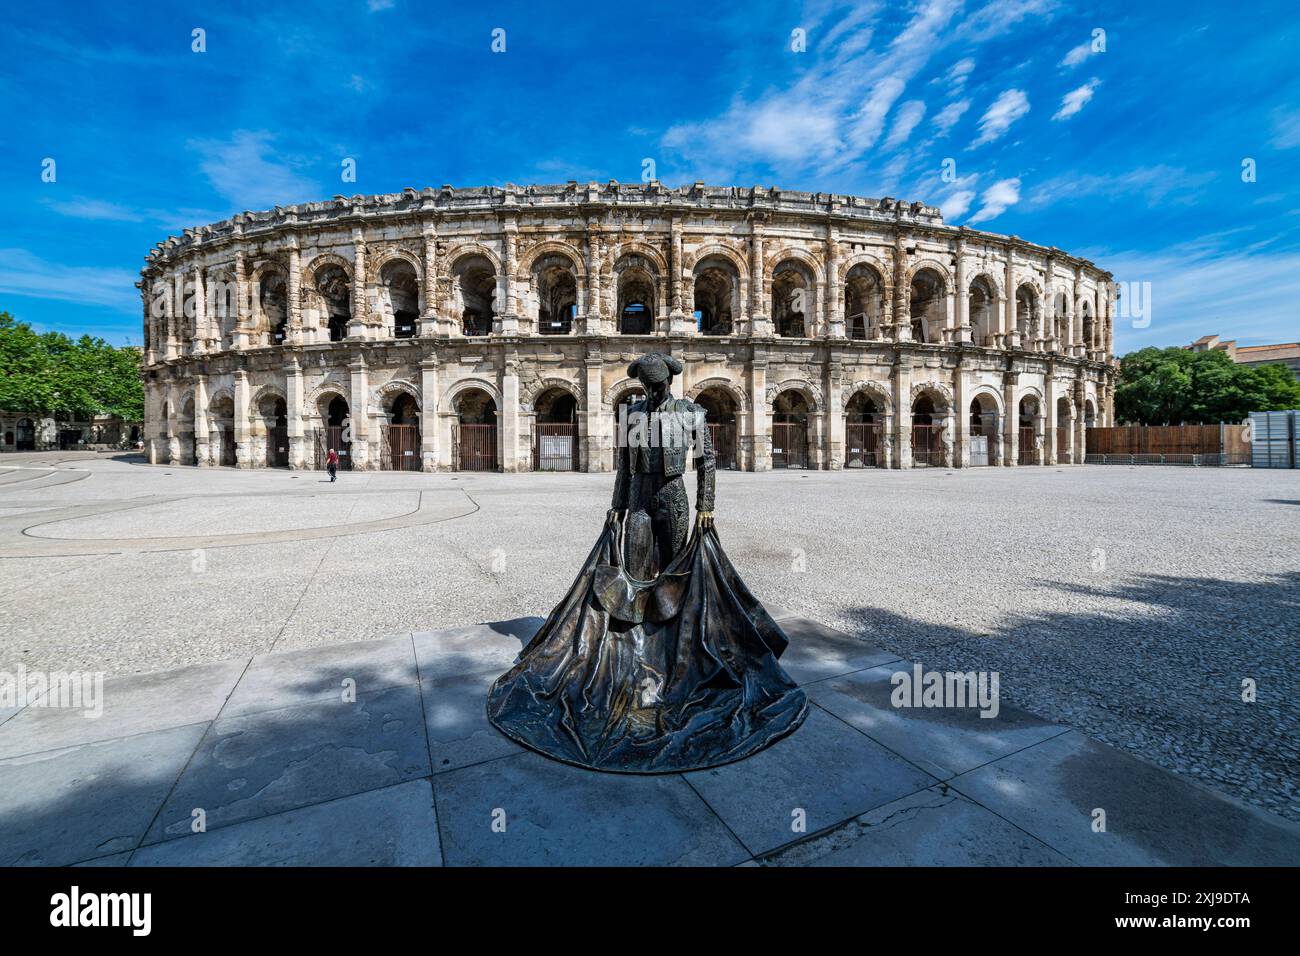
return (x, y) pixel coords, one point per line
(455, 712)
(131, 705)
(394, 826)
(322, 674)
(95, 799)
(1152, 817)
(483, 649)
(254, 765)
(821, 775)
(944, 741)
(817, 651)
(936, 827)
(557, 815)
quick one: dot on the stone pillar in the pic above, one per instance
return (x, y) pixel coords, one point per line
(173, 428)
(1010, 327)
(760, 321)
(963, 295)
(834, 294)
(199, 344)
(1047, 336)
(962, 386)
(509, 422)
(358, 324)
(243, 305)
(243, 427)
(171, 323)
(760, 433)
(675, 277)
(1049, 415)
(510, 318)
(429, 285)
(834, 431)
(902, 318)
(902, 384)
(202, 449)
(359, 411)
(592, 321)
(599, 444)
(1010, 422)
(429, 414)
(294, 398)
(294, 333)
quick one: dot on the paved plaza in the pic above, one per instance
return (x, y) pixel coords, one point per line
(1121, 607)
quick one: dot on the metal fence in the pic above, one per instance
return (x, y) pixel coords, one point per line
(723, 437)
(1208, 445)
(862, 445)
(400, 448)
(927, 445)
(1275, 442)
(555, 447)
(790, 445)
(476, 448)
(332, 437)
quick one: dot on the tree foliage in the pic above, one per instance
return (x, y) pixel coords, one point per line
(49, 373)
(1176, 386)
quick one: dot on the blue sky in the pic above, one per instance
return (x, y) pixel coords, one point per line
(1131, 155)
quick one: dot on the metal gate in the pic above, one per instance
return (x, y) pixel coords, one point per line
(277, 447)
(555, 447)
(226, 456)
(476, 448)
(401, 448)
(1063, 442)
(927, 446)
(332, 437)
(1026, 451)
(979, 450)
(862, 444)
(790, 445)
(724, 444)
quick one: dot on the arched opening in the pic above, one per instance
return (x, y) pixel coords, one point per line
(400, 437)
(335, 290)
(714, 296)
(555, 431)
(636, 297)
(792, 300)
(720, 413)
(335, 431)
(864, 431)
(221, 431)
(476, 290)
(273, 296)
(790, 414)
(1028, 434)
(26, 434)
(476, 431)
(402, 289)
(185, 432)
(1089, 327)
(556, 286)
(927, 306)
(1089, 414)
(983, 311)
(1064, 429)
(927, 433)
(983, 429)
(274, 422)
(864, 302)
(1026, 314)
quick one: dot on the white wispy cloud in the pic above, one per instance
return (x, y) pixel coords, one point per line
(995, 200)
(1001, 16)
(997, 119)
(246, 171)
(956, 203)
(1154, 185)
(22, 273)
(1286, 129)
(1077, 54)
(1076, 99)
(957, 75)
(947, 118)
(905, 120)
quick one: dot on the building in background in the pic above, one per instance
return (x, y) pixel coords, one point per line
(24, 431)
(1284, 353)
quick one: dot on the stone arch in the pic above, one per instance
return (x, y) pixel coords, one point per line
(323, 261)
(530, 393)
(938, 393)
(327, 387)
(990, 278)
(812, 393)
(375, 265)
(385, 394)
(878, 391)
(552, 247)
(462, 250)
(994, 393)
(452, 392)
(794, 254)
(883, 271)
(943, 272)
(613, 396)
(626, 250)
(271, 389)
(693, 259)
(731, 388)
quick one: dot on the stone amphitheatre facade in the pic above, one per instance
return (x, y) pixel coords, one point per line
(491, 329)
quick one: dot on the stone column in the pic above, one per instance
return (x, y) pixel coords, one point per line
(359, 411)
(294, 334)
(243, 427)
(902, 319)
(295, 396)
(243, 304)
(202, 449)
(509, 320)
(760, 433)
(760, 321)
(429, 414)
(1010, 422)
(429, 285)
(834, 294)
(963, 295)
(834, 384)
(509, 422)
(962, 386)
(199, 343)
(1048, 334)
(599, 444)
(675, 267)
(358, 325)
(1010, 320)
(173, 429)
(902, 384)
(1049, 414)
(592, 321)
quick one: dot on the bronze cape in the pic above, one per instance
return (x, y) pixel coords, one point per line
(676, 673)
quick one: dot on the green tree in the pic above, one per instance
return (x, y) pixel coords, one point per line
(1176, 386)
(49, 373)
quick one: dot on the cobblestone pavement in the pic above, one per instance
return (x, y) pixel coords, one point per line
(1129, 603)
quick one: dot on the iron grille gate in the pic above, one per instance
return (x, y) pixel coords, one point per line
(227, 455)
(476, 448)
(401, 448)
(277, 447)
(927, 445)
(1063, 441)
(862, 441)
(789, 445)
(555, 447)
(332, 437)
(724, 444)
(1026, 450)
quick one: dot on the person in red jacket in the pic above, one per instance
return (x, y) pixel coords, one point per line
(332, 464)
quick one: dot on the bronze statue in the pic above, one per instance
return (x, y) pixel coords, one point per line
(658, 660)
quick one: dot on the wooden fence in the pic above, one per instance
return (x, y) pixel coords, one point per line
(1169, 445)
